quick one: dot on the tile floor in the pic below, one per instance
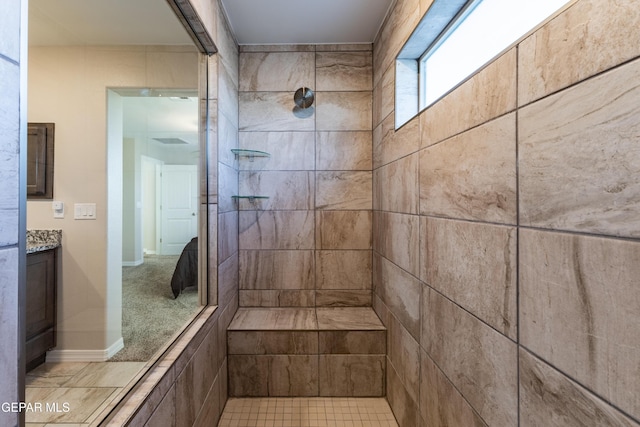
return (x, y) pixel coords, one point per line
(307, 412)
(74, 394)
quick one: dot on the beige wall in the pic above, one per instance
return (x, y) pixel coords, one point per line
(309, 244)
(68, 86)
(506, 227)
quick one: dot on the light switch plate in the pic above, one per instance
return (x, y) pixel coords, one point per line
(84, 211)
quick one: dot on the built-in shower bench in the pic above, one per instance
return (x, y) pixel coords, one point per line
(306, 352)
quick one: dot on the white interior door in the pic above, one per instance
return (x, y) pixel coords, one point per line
(179, 207)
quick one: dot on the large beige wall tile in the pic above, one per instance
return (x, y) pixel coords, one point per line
(343, 150)
(390, 145)
(343, 270)
(288, 190)
(400, 292)
(288, 150)
(404, 354)
(579, 156)
(580, 311)
(277, 298)
(273, 342)
(396, 186)
(401, 21)
(344, 190)
(440, 402)
(228, 95)
(273, 375)
(474, 265)
(384, 96)
(343, 298)
(344, 71)
(343, 229)
(405, 409)
(276, 71)
(273, 111)
(343, 110)
(480, 362)
(588, 38)
(276, 229)
(227, 187)
(227, 234)
(472, 175)
(397, 238)
(353, 375)
(550, 399)
(488, 94)
(277, 269)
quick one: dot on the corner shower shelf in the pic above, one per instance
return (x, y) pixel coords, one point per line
(250, 154)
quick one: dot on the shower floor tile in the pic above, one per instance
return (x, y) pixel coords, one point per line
(307, 412)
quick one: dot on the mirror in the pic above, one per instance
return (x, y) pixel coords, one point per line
(120, 80)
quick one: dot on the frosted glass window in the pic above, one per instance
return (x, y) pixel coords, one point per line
(483, 30)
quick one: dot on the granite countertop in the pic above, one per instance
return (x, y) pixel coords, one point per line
(43, 240)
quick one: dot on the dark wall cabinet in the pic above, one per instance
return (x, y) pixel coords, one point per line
(41, 306)
(40, 138)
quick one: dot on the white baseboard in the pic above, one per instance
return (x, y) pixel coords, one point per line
(132, 263)
(85, 355)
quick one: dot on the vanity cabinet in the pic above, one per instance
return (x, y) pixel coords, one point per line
(41, 306)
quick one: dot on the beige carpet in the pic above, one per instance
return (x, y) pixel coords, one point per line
(150, 314)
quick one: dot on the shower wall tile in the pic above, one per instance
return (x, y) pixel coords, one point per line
(273, 375)
(277, 298)
(280, 318)
(208, 158)
(343, 110)
(277, 48)
(228, 94)
(228, 280)
(472, 175)
(404, 354)
(396, 186)
(343, 269)
(440, 402)
(276, 229)
(397, 238)
(590, 37)
(549, 398)
(343, 230)
(227, 235)
(475, 265)
(481, 362)
(400, 292)
(577, 312)
(399, 24)
(228, 187)
(384, 96)
(352, 342)
(227, 132)
(287, 190)
(344, 190)
(405, 409)
(561, 134)
(337, 71)
(343, 150)
(390, 145)
(345, 47)
(273, 111)
(276, 71)
(343, 298)
(351, 375)
(288, 150)
(471, 104)
(273, 342)
(277, 269)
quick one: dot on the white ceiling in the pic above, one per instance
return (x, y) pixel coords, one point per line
(91, 22)
(305, 21)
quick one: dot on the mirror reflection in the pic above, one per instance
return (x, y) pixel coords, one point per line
(119, 80)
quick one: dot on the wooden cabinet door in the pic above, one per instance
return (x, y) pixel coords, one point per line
(41, 292)
(40, 160)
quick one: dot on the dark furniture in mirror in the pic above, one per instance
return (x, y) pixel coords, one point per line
(40, 160)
